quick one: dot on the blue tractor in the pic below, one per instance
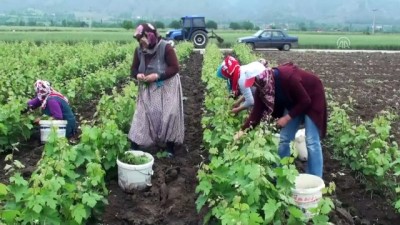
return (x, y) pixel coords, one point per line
(193, 29)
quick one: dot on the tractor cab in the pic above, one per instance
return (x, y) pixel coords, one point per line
(193, 29)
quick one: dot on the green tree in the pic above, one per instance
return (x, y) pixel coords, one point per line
(302, 26)
(312, 25)
(247, 25)
(127, 24)
(211, 24)
(234, 26)
(83, 24)
(175, 24)
(159, 25)
(32, 23)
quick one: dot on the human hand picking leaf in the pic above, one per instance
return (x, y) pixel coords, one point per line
(283, 121)
(140, 77)
(151, 77)
(37, 120)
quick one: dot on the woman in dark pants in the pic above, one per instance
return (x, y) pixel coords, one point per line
(293, 96)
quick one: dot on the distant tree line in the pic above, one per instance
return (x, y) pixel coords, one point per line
(246, 25)
(175, 24)
(129, 24)
(210, 24)
(63, 23)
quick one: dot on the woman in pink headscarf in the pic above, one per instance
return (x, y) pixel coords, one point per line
(53, 104)
(158, 118)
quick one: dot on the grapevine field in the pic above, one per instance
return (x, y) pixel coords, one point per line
(213, 179)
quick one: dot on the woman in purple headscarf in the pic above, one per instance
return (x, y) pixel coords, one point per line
(158, 118)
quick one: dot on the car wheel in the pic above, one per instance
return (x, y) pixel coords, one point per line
(286, 47)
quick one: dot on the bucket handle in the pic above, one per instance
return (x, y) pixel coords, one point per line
(150, 172)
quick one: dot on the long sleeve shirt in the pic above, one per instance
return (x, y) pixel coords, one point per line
(53, 105)
(59, 109)
(248, 71)
(305, 93)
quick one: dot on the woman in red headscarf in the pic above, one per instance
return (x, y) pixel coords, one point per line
(158, 118)
(238, 78)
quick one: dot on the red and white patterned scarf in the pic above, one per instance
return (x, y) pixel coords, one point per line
(44, 91)
(231, 71)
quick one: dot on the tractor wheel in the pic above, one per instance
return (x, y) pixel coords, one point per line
(199, 39)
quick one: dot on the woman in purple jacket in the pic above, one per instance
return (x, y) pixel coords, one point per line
(53, 104)
(293, 96)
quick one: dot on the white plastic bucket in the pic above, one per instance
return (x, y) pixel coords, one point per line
(300, 147)
(300, 144)
(46, 125)
(308, 192)
(132, 177)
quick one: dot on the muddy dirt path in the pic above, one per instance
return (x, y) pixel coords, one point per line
(171, 199)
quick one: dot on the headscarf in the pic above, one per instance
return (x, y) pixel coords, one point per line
(230, 69)
(44, 91)
(265, 84)
(219, 74)
(147, 36)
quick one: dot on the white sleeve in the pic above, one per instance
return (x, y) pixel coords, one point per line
(248, 71)
(246, 92)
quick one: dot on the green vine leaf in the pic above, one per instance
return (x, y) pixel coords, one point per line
(78, 213)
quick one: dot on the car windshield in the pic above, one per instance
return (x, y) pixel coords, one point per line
(258, 33)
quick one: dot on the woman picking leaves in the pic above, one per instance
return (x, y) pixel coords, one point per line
(158, 118)
(236, 77)
(53, 104)
(292, 96)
